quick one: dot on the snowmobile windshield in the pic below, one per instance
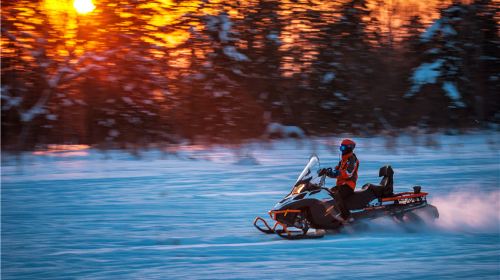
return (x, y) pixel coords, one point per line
(308, 178)
(310, 171)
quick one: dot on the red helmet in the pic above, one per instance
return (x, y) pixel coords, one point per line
(347, 146)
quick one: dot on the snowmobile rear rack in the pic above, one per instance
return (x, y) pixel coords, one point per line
(405, 196)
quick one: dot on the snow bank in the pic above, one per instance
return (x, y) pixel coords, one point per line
(247, 160)
(284, 131)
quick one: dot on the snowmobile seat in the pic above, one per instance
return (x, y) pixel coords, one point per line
(386, 186)
(359, 199)
(369, 192)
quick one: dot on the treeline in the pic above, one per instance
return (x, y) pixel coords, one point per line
(142, 72)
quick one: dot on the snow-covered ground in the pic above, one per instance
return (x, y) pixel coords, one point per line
(88, 215)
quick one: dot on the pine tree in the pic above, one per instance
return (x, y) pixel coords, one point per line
(124, 91)
(261, 31)
(454, 63)
(84, 79)
(217, 104)
(33, 74)
(485, 60)
(327, 80)
(355, 60)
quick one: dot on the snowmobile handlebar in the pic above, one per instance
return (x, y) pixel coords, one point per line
(328, 190)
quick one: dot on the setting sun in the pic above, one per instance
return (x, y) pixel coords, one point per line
(83, 6)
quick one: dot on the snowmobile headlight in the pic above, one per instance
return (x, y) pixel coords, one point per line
(298, 188)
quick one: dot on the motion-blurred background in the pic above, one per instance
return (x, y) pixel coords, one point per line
(133, 73)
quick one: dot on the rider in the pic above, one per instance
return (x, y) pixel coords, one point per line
(346, 173)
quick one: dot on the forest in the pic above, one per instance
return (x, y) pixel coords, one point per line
(154, 72)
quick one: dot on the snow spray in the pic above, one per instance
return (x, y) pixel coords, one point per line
(468, 211)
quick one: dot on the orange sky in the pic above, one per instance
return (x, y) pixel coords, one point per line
(391, 13)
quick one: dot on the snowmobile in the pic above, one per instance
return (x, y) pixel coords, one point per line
(311, 205)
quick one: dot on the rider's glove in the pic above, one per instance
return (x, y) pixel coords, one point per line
(335, 173)
(324, 171)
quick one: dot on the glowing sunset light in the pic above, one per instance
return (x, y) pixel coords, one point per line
(83, 6)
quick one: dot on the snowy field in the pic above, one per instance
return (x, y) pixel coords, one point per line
(89, 215)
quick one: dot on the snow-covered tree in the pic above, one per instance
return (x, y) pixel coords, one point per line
(446, 56)
(67, 79)
(485, 67)
(413, 47)
(261, 31)
(327, 82)
(125, 90)
(343, 66)
(214, 100)
(33, 74)
(454, 66)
